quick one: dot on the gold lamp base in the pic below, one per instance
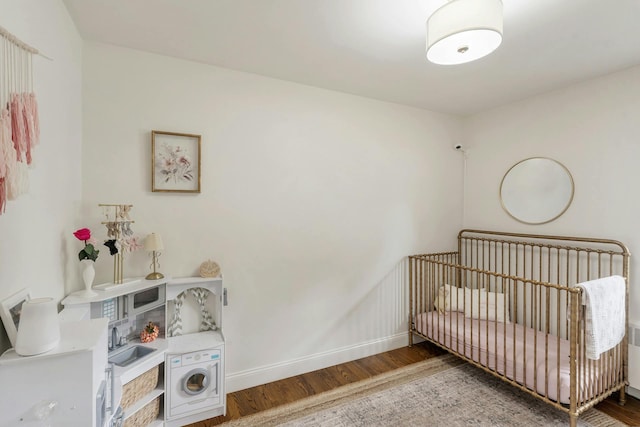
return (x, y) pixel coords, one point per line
(154, 264)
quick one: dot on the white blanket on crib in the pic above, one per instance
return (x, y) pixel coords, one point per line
(604, 301)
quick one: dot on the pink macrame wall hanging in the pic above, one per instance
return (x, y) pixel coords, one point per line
(19, 122)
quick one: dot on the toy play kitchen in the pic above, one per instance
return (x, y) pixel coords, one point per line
(150, 352)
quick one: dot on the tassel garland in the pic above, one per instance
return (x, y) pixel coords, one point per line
(19, 119)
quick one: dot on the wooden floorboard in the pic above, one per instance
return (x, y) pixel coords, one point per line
(629, 413)
(262, 397)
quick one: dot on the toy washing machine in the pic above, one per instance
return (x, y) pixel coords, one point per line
(195, 382)
(194, 361)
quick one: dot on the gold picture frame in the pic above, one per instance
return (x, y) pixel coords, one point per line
(175, 162)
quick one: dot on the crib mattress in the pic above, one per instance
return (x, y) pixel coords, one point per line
(512, 350)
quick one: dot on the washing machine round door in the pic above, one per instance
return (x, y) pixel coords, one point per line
(195, 381)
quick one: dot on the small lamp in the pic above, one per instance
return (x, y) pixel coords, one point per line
(153, 244)
(39, 328)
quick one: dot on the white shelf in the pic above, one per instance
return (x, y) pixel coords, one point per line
(111, 285)
(178, 285)
(116, 291)
(194, 342)
(193, 280)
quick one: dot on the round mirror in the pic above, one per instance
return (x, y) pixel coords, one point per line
(536, 190)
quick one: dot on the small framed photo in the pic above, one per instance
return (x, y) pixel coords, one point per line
(175, 162)
(10, 311)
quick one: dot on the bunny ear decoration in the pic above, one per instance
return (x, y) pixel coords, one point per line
(112, 245)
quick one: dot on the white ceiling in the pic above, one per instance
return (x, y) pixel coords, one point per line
(376, 48)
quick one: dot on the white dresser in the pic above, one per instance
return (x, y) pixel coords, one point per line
(72, 379)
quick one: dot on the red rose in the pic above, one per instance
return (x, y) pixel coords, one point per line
(83, 234)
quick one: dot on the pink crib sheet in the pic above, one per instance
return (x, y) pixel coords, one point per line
(510, 349)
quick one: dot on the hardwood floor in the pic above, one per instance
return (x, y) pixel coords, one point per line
(260, 398)
(628, 414)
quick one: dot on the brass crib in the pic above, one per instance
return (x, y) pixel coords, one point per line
(537, 274)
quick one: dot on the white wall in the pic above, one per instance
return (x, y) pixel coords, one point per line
(593, 128)
(37, 249)
(310, 200)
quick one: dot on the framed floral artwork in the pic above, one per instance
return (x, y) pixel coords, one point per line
(175, 162)
(10, 311)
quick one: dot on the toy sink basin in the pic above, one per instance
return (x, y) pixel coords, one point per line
(130, 355)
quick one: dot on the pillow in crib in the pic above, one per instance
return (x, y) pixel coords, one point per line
(452, 298)
(488, 306)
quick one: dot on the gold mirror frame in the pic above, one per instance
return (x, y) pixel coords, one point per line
(536, 190)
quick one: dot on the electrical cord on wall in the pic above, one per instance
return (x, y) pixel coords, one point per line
(463, 150)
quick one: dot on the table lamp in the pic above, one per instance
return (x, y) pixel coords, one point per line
(153, 244)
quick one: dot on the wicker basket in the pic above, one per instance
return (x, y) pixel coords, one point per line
(145, 415)
(139, 387)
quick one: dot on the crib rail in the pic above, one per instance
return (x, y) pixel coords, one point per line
(531, 280)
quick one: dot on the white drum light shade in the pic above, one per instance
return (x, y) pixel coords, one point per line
(39, 329)
(463, 31)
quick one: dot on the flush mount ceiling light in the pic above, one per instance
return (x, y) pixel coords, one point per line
(463, 31)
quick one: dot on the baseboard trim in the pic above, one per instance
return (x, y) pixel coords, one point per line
(265, 374)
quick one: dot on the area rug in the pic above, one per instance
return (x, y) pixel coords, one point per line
(441, 391)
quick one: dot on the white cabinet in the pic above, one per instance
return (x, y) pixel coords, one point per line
(72, 377)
